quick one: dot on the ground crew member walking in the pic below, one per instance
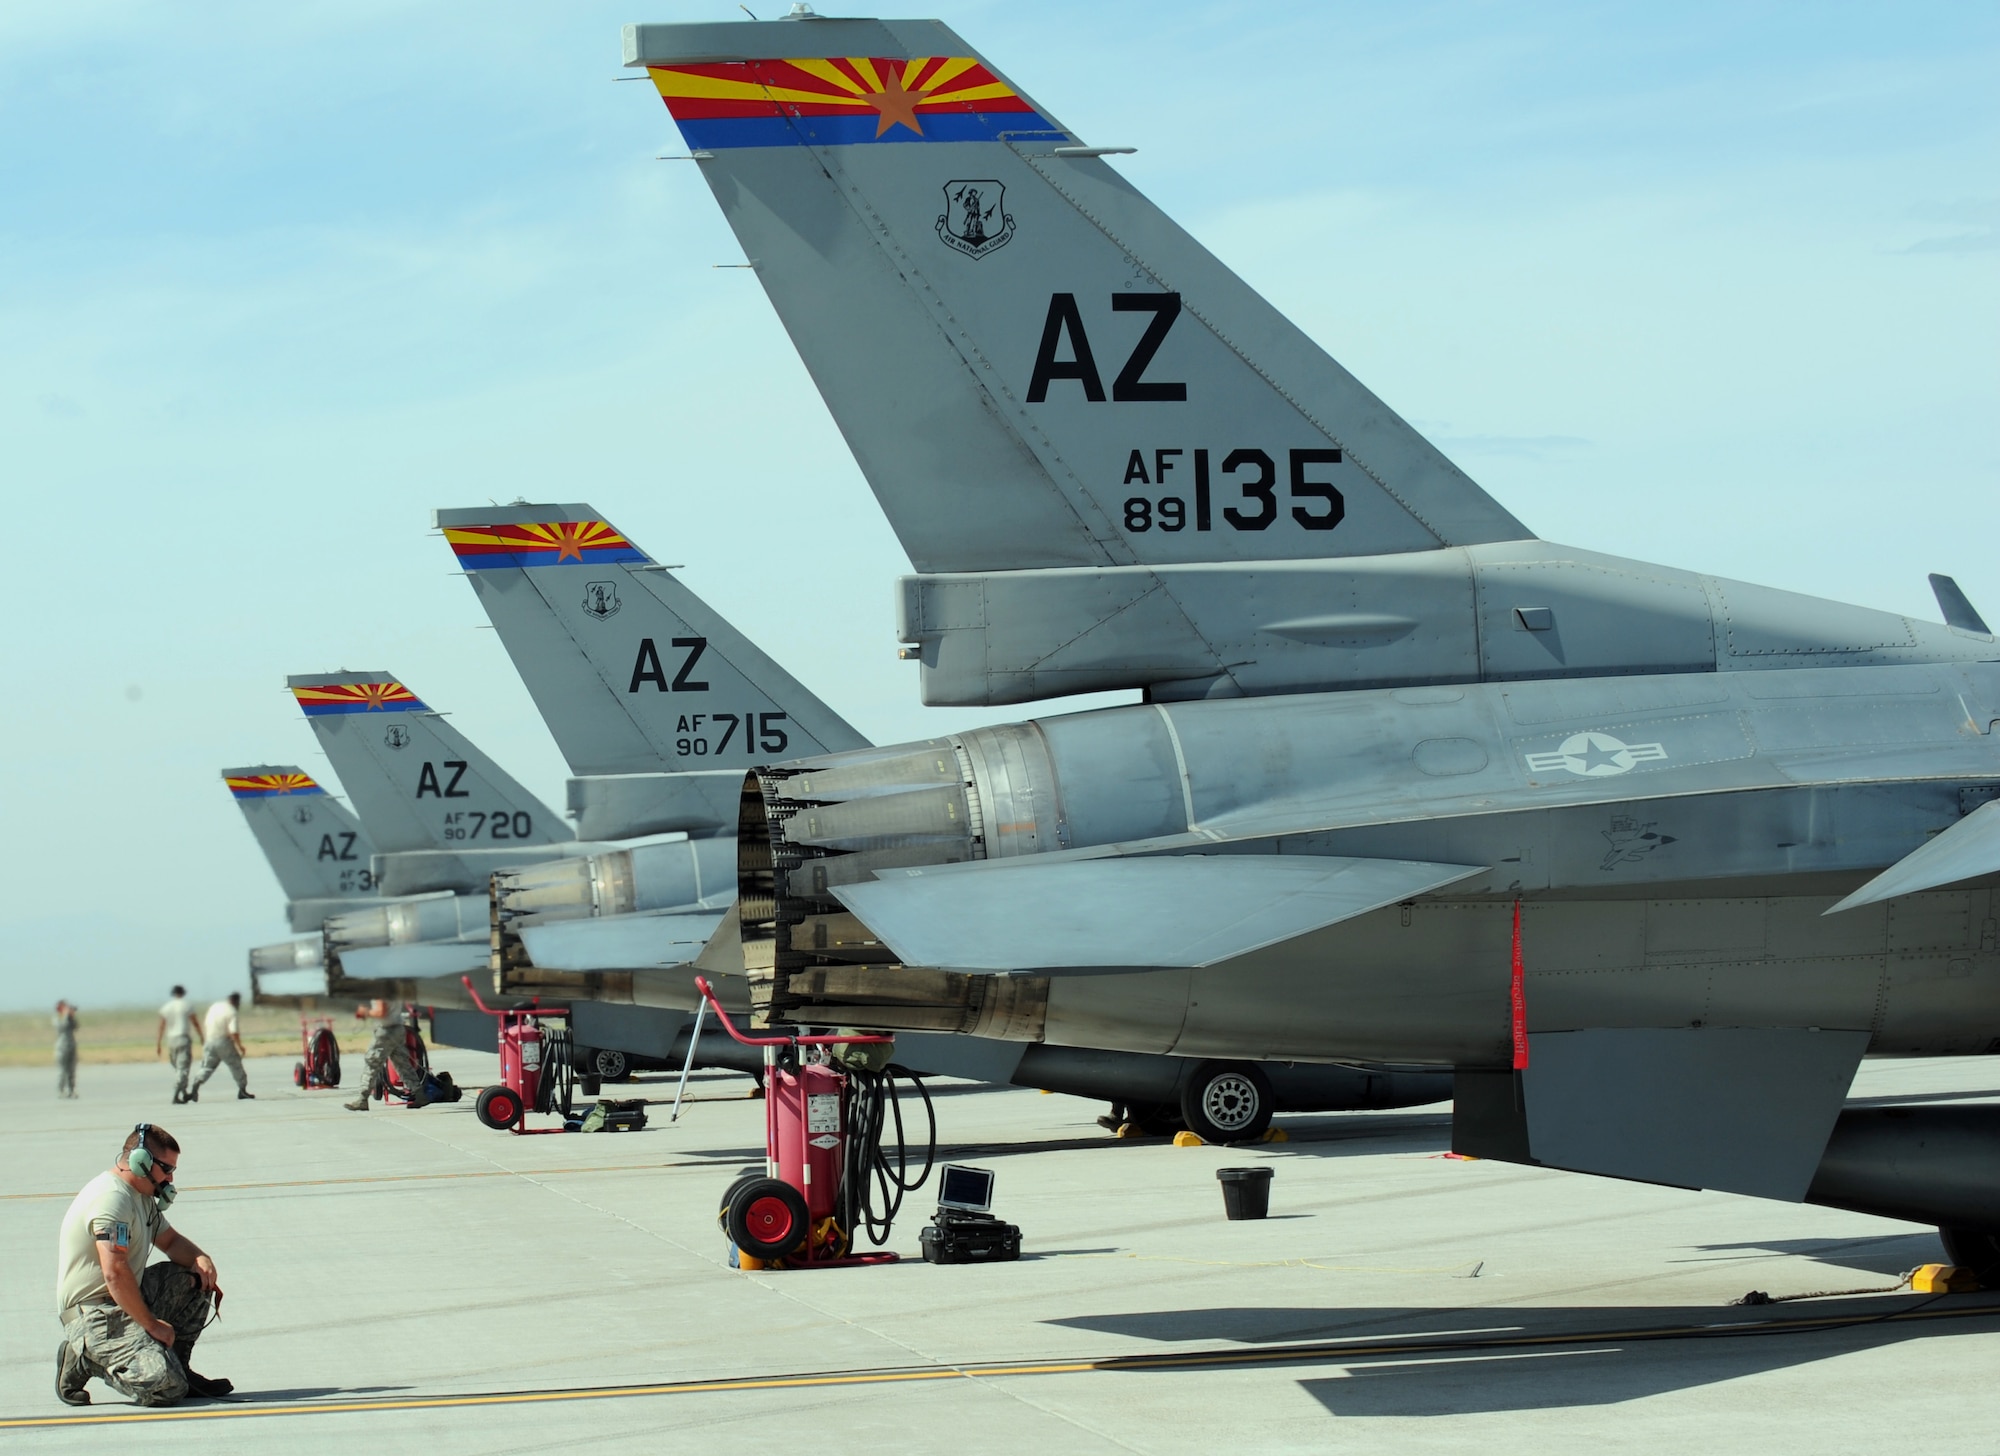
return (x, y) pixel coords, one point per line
(177, 1025)
(224, 1045)
(391, 1046)
(65, 1024)
(129, 1326)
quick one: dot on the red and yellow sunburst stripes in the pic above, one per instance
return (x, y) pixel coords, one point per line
(539, 543)
(841, 101)
(374, 697)
(266, 785)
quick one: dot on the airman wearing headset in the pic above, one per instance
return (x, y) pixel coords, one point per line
(131, 1326)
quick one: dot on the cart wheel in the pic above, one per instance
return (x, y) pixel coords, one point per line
(1227, 1102)
(767, 1218)
(298, 1074)
(498, 1107)
(729, 1197)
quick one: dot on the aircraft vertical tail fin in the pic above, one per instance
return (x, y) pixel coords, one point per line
(631, 670)
(416, 781)
(313, 842)
(1034, 365)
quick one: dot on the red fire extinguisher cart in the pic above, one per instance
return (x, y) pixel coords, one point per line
(536, 1074)
(788, 1213)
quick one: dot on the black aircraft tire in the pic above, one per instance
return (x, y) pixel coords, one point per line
(767, 1218)
(1227, 1102)
(1974, 1249)
(609, 1065)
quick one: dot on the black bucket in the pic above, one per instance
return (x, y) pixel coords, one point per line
(1246, 1192)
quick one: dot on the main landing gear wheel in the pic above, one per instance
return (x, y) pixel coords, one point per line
(1227, 1102)
(766, 1218)
(498, 1107)
(607, 1065)
(1974, 1249)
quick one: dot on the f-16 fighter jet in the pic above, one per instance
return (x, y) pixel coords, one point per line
(1651, 859)
(316, 848)
(587, 632)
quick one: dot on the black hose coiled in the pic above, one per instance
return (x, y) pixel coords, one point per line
(557, 1088)
(872, 1183)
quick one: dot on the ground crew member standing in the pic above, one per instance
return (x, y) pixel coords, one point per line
(390, 1045)
(224, 1045)
(65, 1024)
(129, 1326)
(177, 1025)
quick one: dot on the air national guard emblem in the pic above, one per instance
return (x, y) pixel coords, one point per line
(397, 736)
(302, 815)
(975, 221)
(600, 599)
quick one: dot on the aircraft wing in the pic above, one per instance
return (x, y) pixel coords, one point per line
(1171, 910)
(620, 942)
(1965, 851)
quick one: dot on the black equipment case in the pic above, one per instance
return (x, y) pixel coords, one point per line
(956, 1237)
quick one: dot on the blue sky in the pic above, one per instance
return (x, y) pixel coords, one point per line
(1708, 284)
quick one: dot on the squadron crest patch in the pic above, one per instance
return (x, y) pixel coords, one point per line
(975, 220)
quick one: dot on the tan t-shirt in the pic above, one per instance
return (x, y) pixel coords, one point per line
(220, 1023)
(179, 1019)
(108, 1208)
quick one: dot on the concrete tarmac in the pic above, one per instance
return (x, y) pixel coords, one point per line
(410, 1280)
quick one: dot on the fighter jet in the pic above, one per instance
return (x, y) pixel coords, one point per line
(655, 700)
(316, 848)
(1650, 859)
(593, 639)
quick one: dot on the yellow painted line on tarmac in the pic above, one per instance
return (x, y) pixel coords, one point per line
(1315, 1353)
(415, 1178)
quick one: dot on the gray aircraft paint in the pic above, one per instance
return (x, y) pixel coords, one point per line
(1082, 532)
(312, 841)
(635, 675)
(1667, 778)
(436, 807)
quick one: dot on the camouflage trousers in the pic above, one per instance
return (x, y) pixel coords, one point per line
(109, 1345)
(65, 1069)
(222, 1050)
(180, 1056)
(389, 1048)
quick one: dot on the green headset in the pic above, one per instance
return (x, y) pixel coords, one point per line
(140, 1161)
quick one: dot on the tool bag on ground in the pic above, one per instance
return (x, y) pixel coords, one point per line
(438, 1087)
(610, 1116)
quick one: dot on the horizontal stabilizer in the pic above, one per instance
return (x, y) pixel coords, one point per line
(1967, 850)
(1173, 910)
(1737, 1109)
(620, 942)
(414, 962)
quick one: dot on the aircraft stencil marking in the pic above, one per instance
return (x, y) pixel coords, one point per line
(1631, 840)
(975, 220)
(1595, 755)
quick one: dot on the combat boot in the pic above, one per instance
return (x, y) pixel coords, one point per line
(194, 1093)
(359, 1104)
(71, 1377)
(244, 1094)
(198, 1384)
